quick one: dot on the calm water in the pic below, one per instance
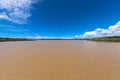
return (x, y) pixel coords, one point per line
(59, 60)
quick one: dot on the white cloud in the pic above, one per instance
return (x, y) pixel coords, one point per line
(3, 15)
(37, 36)
(113, 30)
(17, 11)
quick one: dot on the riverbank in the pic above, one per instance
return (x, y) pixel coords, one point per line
(106, 39)
(13, 39)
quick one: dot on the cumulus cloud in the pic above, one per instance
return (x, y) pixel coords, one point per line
(37, 36)
(17, 11)
(113, 30)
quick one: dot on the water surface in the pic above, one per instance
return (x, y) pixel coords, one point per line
(59, 60)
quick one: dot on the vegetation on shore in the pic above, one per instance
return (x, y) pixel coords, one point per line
(12, 39)
(106, 39)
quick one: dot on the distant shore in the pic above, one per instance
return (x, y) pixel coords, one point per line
(106, 39)
(103, 39)
(13, 39)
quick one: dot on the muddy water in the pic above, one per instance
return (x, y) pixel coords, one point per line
(59, 60)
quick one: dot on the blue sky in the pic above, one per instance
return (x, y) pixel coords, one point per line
(59, 18)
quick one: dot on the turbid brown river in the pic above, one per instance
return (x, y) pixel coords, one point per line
(59, 60)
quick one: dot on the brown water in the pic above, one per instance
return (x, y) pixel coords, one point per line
(59, 60)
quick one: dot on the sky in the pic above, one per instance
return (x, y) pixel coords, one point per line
(59, 18)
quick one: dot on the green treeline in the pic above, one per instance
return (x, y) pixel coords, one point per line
(12, 39)
(107, 39)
